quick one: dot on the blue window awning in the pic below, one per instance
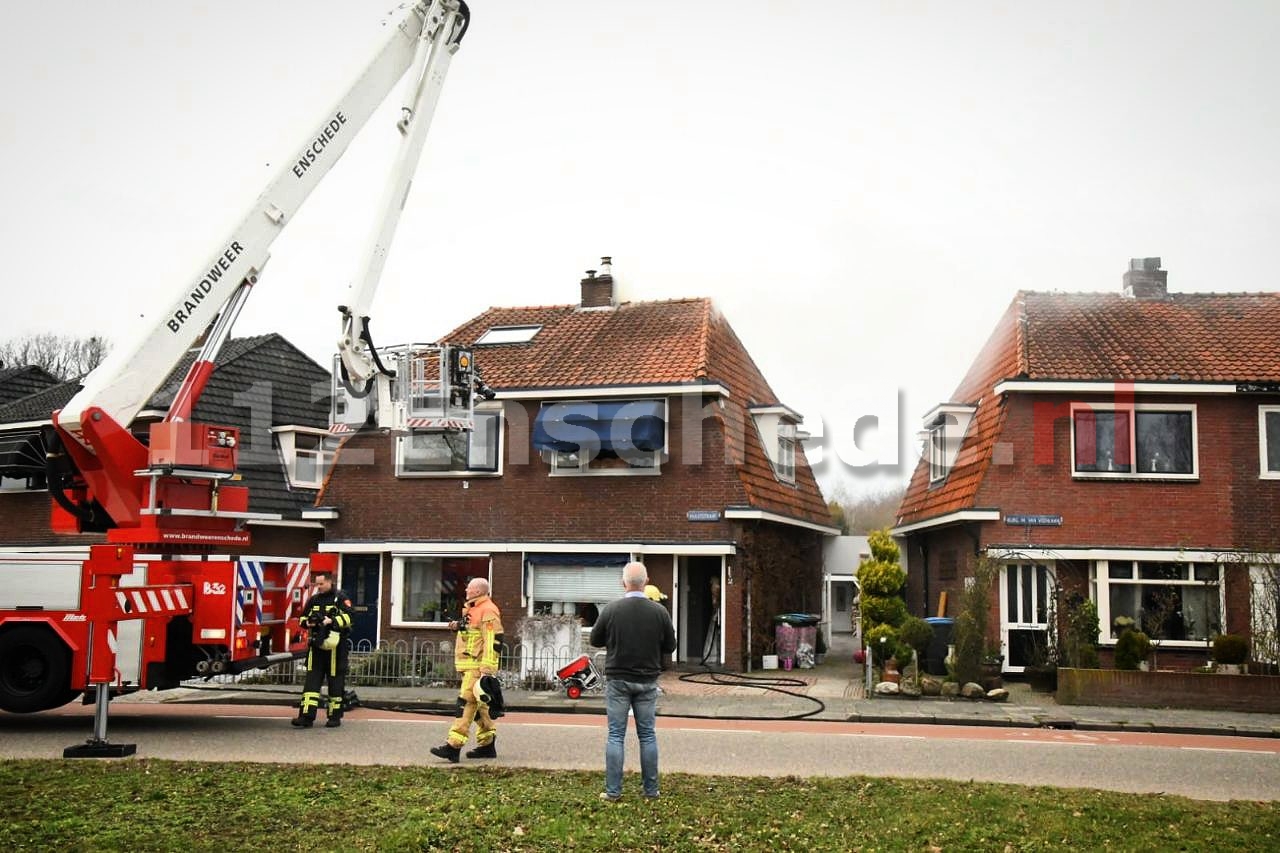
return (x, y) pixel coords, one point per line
(616, 426)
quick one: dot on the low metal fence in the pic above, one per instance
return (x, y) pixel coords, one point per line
(423, 663)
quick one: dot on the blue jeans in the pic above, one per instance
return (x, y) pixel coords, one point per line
(641, 697)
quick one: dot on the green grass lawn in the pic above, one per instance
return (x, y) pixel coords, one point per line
(167, 805)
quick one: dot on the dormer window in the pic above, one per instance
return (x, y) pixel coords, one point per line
(776, 425)
(307, 454)
(944, 431)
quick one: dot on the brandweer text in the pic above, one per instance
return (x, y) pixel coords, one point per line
(193, 300)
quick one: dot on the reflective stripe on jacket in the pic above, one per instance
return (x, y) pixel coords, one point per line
(475, 647)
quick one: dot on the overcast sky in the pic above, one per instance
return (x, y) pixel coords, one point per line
(860, 186)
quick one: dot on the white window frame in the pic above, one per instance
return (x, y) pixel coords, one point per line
(613, 591)
(323, 453)
(569, 463)
(481, 413)
(1133, 410)
(786, 466)
(398, 619)
(936, 439)
(1101, 582)
(1264, 472)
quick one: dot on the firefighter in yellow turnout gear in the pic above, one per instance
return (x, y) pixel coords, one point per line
(328, 619)
(475, 655)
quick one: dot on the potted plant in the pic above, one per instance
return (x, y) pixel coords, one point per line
(1230, 652)
(430, 611)
(769, 660)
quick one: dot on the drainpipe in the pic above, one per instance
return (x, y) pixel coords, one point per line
(747, 581)
(924, 574)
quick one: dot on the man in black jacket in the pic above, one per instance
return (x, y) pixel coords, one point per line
(637, 633)
(328, 620)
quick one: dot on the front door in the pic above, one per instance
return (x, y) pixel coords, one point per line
(360, 579)
(1026, 608)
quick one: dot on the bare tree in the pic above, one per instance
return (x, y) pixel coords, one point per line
(63, 356)
(858, 515)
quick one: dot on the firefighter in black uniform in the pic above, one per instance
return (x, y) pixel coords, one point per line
(328, 620)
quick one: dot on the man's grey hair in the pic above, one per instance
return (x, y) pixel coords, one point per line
(634, 576)
(480, 584)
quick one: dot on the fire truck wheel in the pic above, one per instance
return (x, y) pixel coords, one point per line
(35, 670)
(574, 691)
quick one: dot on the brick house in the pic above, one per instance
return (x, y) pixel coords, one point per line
(619, 430)
(284, 446)
(1126, 445)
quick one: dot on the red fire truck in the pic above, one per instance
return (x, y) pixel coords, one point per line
(162, 599)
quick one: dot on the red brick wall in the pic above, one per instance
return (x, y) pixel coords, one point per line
(1196, 515)
(1228, 507)
(526, 503)
(1169, 690)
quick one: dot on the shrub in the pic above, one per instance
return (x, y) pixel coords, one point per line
(882, 610)
(881, 578)
(1132, 648)
(1230, 649)
(916, 633)
(1080, 645)
(881, 651)
(883, 548)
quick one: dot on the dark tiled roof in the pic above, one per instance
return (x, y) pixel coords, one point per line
(19, 382)
(680, 341)
(260, 382)
(1188, 337)
(39, 406)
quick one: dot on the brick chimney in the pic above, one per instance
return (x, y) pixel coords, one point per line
(1145, 280)
(597, 290)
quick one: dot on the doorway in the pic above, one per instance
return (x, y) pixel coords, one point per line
(700, 611)
(361, 579)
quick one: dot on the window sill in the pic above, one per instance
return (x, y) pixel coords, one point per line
(446, 475)
(1134, 478)
(638, 472)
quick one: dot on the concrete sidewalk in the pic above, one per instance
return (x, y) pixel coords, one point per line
(832, 690)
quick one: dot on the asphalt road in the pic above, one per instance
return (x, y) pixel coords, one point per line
(1197, 766)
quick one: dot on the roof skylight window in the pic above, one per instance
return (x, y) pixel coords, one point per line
(508, 335)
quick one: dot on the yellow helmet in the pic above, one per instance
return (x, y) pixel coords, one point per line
(331, 640)
(654, 593)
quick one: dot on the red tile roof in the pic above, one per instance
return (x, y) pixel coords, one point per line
(680, 341)
(1192, 337)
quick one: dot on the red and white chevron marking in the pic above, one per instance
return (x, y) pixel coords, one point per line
(295, 578)
(160, 599)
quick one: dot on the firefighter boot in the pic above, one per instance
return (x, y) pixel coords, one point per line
(486, 750)
(302, 721)
(334, 713)
(447, 751)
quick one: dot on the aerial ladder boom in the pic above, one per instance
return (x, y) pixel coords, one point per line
(93, 426)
